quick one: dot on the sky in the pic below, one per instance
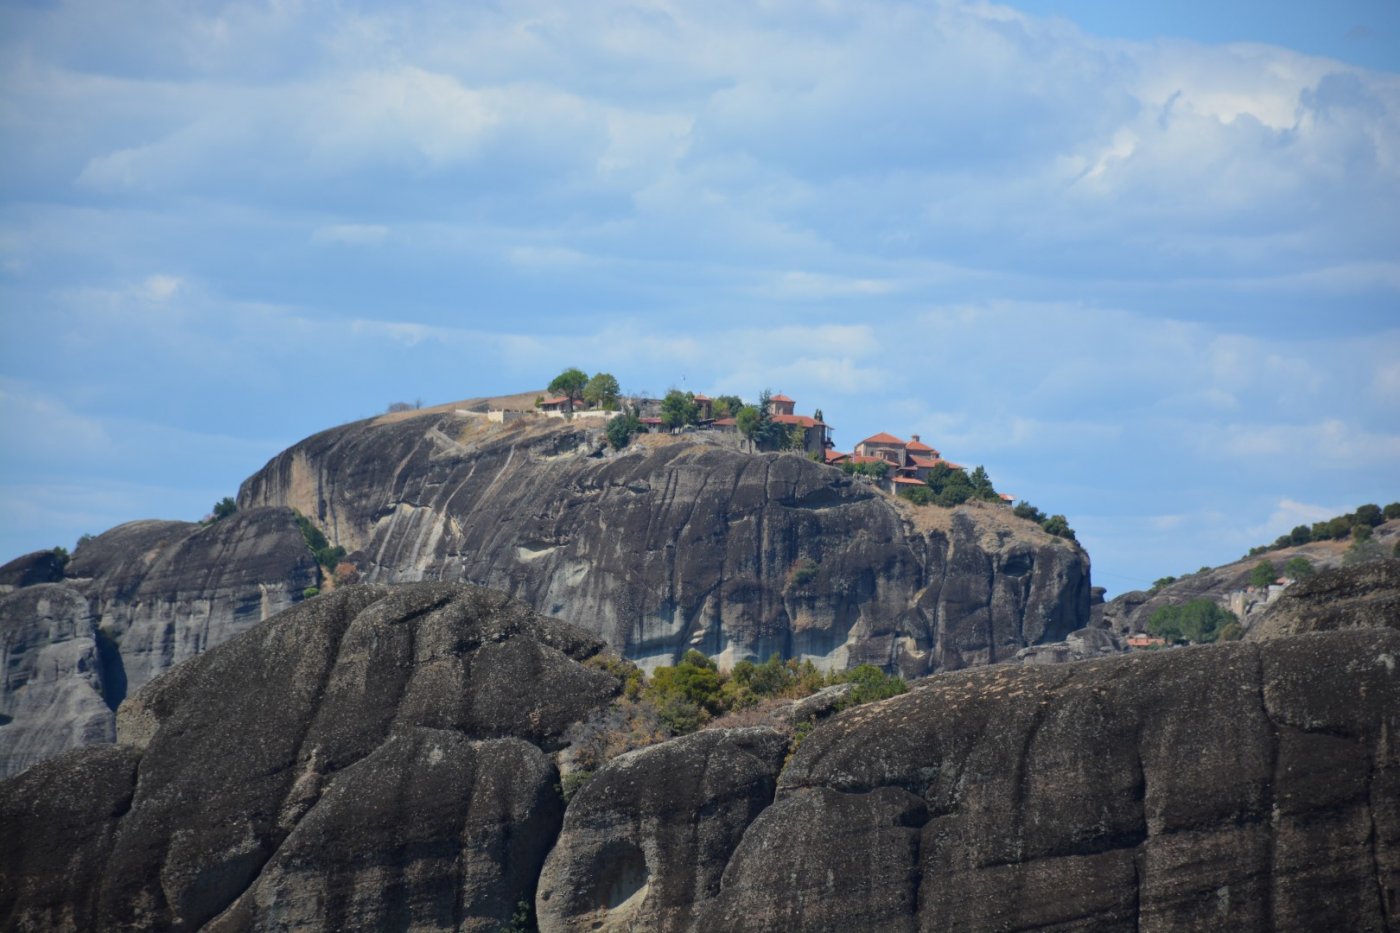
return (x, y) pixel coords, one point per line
(1142, 261)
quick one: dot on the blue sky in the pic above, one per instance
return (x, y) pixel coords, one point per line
(1143, 264)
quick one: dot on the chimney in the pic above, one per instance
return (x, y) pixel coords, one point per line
(915, 437)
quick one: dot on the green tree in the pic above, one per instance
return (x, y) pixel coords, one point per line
(1299, 568)
(570, 383)
(1391, 511)
(748, 421)
(602, 391)
(981, 485)
(1027, 511)
(678, 408)
(871, 684)
(1058, 526)
(1299, 535)
(726, 406)
(1200, 621)
(1263, 573)
(224, 508)
(1369, 514)
(622, 428)
(950, 487)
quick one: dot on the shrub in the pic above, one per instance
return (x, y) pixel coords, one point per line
(803, 572)
(310, 591)
(622, 429)
(1391, 511)
(1161, 582)
(224, 508)
(1200, 620)
(1299, 568)
(1263, 573)
(871, 684)
(326, 554)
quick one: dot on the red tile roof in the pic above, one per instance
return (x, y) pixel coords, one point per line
(803, 420)
(724, 422)
(908, 481)
(1005, 497)
(835, 456)
(701, 398)
(883, 438)
(921, 446)
(923, 463)
(779, 398)
(861, 458)
(557, 400)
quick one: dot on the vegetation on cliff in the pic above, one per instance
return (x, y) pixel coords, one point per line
(1333, 529)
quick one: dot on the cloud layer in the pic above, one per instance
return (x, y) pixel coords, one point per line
(1144, 281)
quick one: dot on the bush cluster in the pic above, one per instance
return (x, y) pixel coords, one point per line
(1333, 529)
(326, 555)
(683, 698)
(1056, 525)
(694, 691)
(1199, 621)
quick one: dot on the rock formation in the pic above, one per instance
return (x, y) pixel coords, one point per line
(1042, 798)
(131, 603)
(379, 757)
(1128, 612)
(1366, 595)
(331, 768)
(681, 542)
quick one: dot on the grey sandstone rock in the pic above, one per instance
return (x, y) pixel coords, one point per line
(134, 602)
(411, 718)
(1186, 790)
(646, 839)
(55, 693)
(677, 543)
(1366, 595)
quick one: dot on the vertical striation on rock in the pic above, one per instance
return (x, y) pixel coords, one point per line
(134, 602)
(351, 763)
(681, 542)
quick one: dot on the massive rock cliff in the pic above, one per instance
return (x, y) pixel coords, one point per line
(132, 603)
(380, 757)
(682, 542)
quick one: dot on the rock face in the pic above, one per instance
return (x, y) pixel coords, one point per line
(1367, 595)
(677, 543)
(56, 696)
(132, 603)
(1056, 798)
(32, 568)
(367, 759)
(647, 838)
(379, 757)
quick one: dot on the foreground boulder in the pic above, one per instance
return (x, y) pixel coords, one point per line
(329, 768)
(380, 758)
(1239, 786)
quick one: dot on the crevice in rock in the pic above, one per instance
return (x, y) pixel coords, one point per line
(111, 668)
(1269, 806)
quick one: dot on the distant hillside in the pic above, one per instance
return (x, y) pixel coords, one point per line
(1130, 611)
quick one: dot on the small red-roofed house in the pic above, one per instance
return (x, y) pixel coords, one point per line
(705, 404)
(558, 403)
(886, 447)
(918, 448)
